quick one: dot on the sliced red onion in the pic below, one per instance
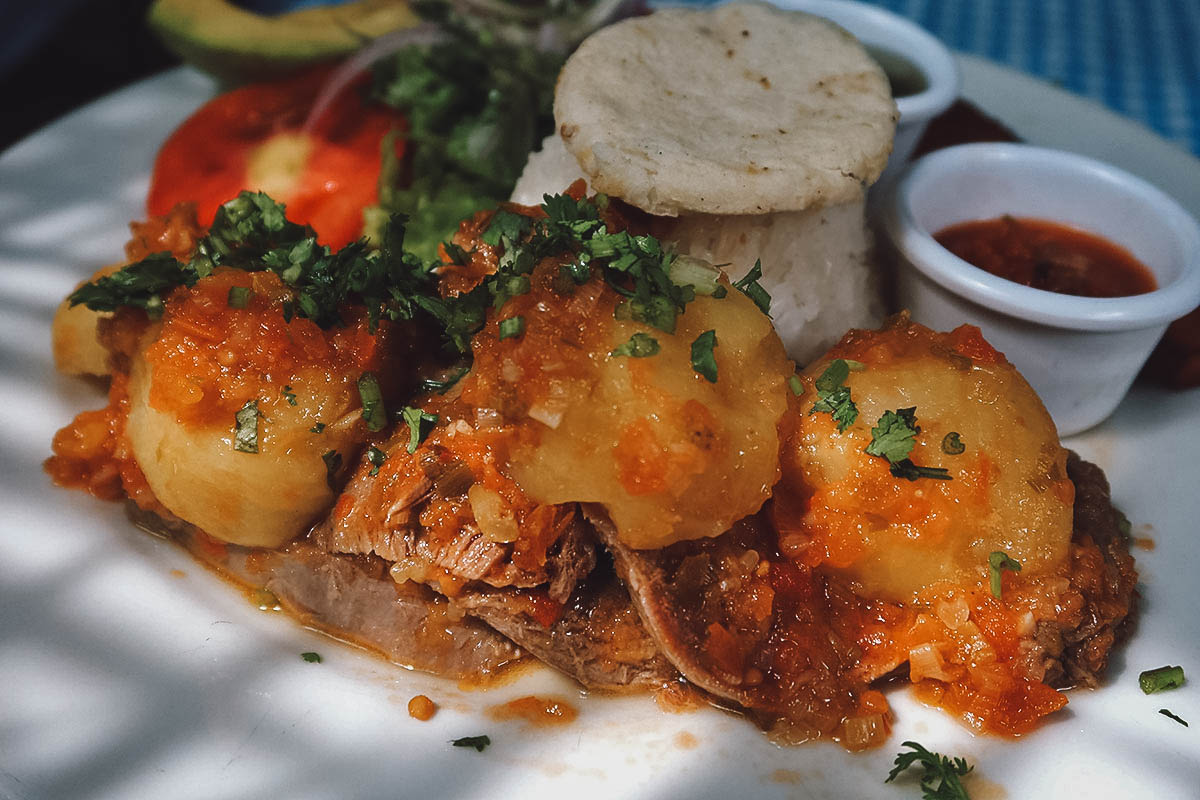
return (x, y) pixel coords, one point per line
(421, 35)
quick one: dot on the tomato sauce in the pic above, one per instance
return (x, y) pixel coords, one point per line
(1048, 256)
(540, 712)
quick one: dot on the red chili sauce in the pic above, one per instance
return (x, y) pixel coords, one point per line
(1048, 256)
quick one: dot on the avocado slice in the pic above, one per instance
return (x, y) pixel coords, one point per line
(237, 46)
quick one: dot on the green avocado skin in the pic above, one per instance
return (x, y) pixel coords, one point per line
(238, 46)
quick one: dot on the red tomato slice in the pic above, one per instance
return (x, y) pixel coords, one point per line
(252, 138)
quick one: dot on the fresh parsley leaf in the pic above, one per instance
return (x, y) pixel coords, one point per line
(893, 438)
(952, 444)
(1166, 712)
(333, 465)
(238, 297)
(749, 285)
(640, 345)
(703, 360)
(476, 105)
(478, 742)
(512, 328)
(311, 658)
(252, 233)
(833, 397)
(141, 285)
(318, 428)
(419, 424)
(373, 410)
(376, 458)
(894, 435)
(999, 561)
(245, 434)
(1161, 679)
(505, 225)
(289, 395)
(940, 779)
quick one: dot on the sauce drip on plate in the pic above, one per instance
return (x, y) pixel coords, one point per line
(1048, 256)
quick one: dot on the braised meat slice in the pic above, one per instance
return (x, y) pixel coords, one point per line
(419, 515)
(353, 599)
(799, 647)
(596, 638)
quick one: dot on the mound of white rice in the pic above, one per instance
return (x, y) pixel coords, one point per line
(817, 263)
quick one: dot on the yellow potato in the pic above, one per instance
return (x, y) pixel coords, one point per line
(1008, 489)
(670, 455)
(74, 338)
(258, 499)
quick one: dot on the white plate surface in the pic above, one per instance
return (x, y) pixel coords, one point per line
(121, 678)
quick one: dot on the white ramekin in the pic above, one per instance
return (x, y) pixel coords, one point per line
(1079, 353)
(880, 29)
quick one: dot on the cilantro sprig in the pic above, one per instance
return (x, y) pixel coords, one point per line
(251, 232)
(833, 396)
(940, 779)
(893, 438)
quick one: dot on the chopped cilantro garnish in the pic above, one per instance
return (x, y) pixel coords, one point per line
(703, 360)
(376, 458)
(252, 233)
(1161, 679)
(478, 742)
(703, 277)
(640, 345)
(419, 424)
(999, 561)
(893, 438)
(833, 397)
(940, 780)
(239, 297)
(333, 465)
(1166, 712)
(795, 385)
(311, 657)
(952, 444)
(895, 434)
(318, 428)
(141, 285)
(289, 395)
(443, 386)
(373, 410)
(505, 225)
(750, 287)
(245, 434)
(512, 328)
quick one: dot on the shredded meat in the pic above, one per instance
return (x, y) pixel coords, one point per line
(1074, 650)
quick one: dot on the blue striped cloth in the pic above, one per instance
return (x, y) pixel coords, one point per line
(1140, 58)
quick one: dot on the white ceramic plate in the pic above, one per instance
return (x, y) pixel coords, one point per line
(128, 671)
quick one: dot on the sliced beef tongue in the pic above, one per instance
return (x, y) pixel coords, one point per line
(714, 608)
(596, 638)
(468, 556)
(354, 599)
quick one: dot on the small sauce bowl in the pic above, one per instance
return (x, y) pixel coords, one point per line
(1079, 353)
(923, 73)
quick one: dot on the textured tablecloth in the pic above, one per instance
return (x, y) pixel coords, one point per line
(1140, 58)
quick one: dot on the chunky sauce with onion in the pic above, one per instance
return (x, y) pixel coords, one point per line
(1048, 256)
